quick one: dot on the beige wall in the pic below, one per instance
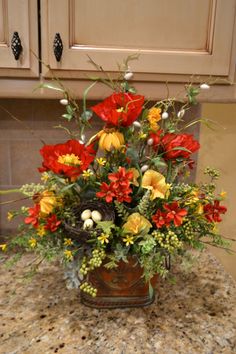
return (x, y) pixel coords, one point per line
(218, 149)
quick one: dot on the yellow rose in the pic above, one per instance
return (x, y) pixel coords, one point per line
(137, 224)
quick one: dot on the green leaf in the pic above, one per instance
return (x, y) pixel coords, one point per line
(151, 291)
(67, 116)
(158, 162)
(106, 226)
(50, 87)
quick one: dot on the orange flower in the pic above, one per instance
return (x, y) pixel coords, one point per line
(137, 224)
(154, 115)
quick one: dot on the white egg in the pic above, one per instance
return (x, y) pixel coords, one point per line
(96, 216)
(86, 214)
(88, 224)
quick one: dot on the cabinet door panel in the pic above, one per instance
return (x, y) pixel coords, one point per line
(18, 16)
(171, 36)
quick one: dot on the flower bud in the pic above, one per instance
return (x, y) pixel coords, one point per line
(150, 142)
(204, 86)
(64, 101)
(136, 124)
(164, 115)
(128, 75)
(144, 168)
(83, 137)
(181, 113)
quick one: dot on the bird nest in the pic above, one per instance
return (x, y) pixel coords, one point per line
(74, 225)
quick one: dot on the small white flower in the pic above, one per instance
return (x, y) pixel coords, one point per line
(144, 168)
(164, 115)
(136, 124)
(181, 113)
(204, 86)
(128, 75)
(64, 101)
(150, 142)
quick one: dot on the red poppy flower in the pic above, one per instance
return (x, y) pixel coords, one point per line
(174, 213)
(171, 142)
(52, 223)
(69, 159)
(160, 219)
(120, 108)
(212, 211)
(33, 217)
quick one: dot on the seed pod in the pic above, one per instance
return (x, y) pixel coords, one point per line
(144, 168)
(150, 142)
(128, 75)
(86, 214)
(136, 124)
(204, 86)
(164, 115)
(181, 113)
(64, 101)
(96, 216)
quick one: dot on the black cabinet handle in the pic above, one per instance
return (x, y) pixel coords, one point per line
(16, 45)
(57, 46)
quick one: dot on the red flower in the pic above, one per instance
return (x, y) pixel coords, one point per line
(69, 159)
(52, 223)
(120, 108)
(174, 213)
(107, 192)
(212, 211)
(160, 219)
(119, 187)
(173, 141)
(33, 217)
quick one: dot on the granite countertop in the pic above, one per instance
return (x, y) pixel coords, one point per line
(195, 315)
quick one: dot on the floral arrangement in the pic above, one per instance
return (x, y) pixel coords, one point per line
(124, 191)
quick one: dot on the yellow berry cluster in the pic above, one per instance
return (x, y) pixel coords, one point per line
(87, 288)
(188, 231)
(95, 261)
(168, 240)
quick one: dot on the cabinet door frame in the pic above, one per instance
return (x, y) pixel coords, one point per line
(217, 60)
(26, 24)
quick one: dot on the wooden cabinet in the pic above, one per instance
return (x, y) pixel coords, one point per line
(173, 37)
(19, 16)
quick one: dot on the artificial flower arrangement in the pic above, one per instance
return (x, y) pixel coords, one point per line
(123, 192)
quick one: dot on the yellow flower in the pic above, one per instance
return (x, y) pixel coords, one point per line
(3, 247)
(68, 242)
(41, 231)
(136, 224)
(32, 242)
(142, 135)
(156, 183)
(110, 139)
(45, 177)
(10, 216)
(69, 159)
(129, 240)
(215, 228)
(223, 194)
(103, 238)
(135, 176)
(101, 161)
(199, 209)
(68, 255)
(154, 115)
(86, 174)
(48, 202)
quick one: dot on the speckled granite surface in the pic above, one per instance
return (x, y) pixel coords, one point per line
(195, 315)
